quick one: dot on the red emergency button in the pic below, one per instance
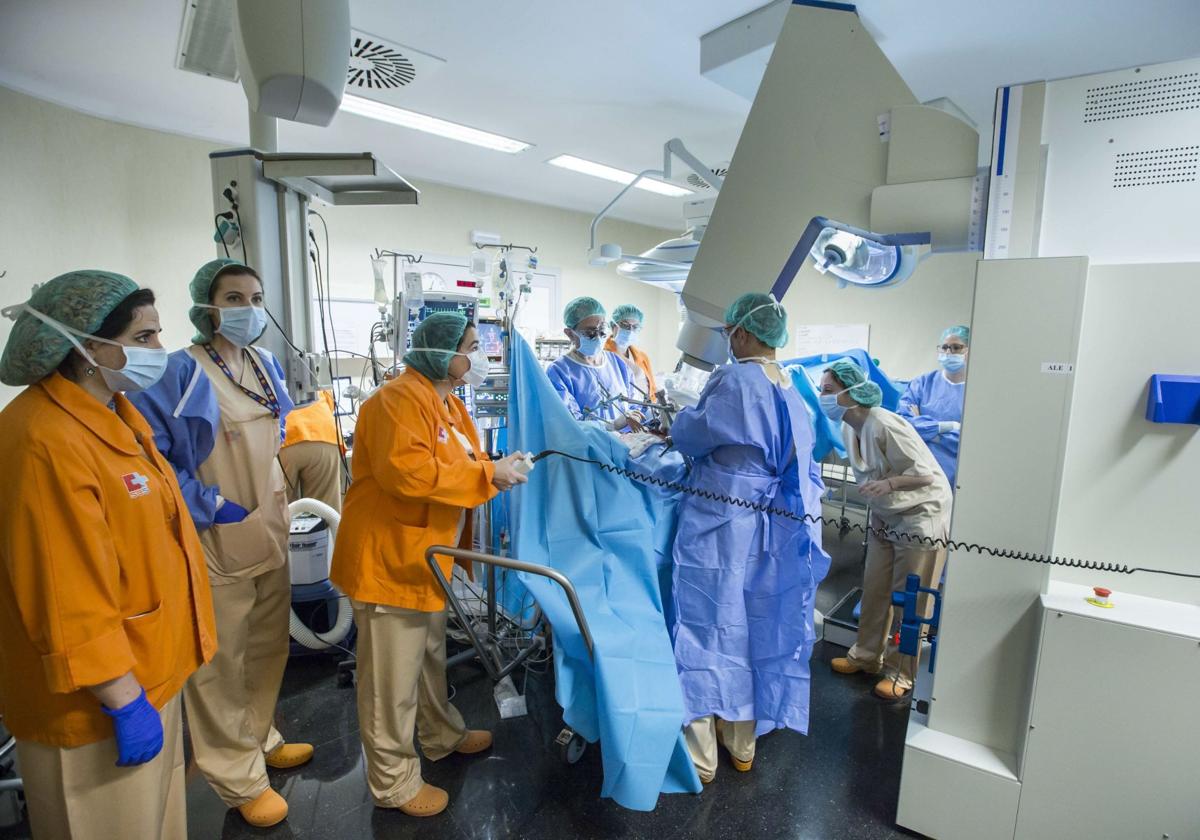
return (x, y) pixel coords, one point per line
(1100, 597)
(1101, 592)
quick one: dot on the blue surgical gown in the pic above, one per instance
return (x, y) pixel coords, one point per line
(183, 413)
(584, 387)
(744, 581)
(936, 399)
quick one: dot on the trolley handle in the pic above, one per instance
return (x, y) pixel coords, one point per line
(517, 566)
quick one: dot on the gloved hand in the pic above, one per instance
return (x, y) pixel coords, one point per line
(948, 426)
(139, 731)
(230, 512)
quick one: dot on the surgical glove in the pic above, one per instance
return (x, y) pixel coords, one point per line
(948, 426)
(229, 513)
(138, 729)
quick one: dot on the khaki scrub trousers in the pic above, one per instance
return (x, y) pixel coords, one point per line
(79, 793)
(231, 701)
(402, 688)
(888, 566)
(314, 471)
(703, 734)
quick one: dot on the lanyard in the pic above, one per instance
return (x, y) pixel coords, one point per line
(269, 402)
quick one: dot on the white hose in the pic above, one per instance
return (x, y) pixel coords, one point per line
(300, 631)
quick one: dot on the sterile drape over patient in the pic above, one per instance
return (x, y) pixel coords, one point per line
(606, 533)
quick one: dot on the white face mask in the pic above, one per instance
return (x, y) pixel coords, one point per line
(144, 366)
(476, 373)
(242, 325)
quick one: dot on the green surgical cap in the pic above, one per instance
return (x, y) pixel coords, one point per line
(201, 289)
(80, 300)
(761, 316)
(580, 308)
(627, 311)
(862, 390)
(960, 332)
(442, 331)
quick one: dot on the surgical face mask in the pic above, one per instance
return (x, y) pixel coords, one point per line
(625, 338)
(242, 325)
(144, 366)
(591, 347)
(476, 373)
(831, 408)
(952, 361)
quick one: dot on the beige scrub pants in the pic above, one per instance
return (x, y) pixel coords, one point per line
(888, 566)
(79, 793)
(314, 471)
(231, 700)
(703, 734)
(402, 688)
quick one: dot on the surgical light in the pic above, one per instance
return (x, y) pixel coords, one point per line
(620, 176)
(431, 125)
(855, 256)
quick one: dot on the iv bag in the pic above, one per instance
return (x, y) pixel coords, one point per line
(378, 267)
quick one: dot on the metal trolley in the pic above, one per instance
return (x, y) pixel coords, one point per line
(570, 744)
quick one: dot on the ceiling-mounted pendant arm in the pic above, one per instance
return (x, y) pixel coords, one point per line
(608, 207)
(675, 148)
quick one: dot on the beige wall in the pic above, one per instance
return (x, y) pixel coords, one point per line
(85, 192)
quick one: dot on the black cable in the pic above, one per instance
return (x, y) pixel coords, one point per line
(888, 534)
(242, 237)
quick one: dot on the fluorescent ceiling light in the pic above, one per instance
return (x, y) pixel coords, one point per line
(432, 125)
(611, 173)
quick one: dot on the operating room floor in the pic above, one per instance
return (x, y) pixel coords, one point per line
(839, 782)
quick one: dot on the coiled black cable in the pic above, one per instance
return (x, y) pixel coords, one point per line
(888, 534)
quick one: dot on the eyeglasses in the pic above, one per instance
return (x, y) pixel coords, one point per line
(953, 349)
(596, 333)
(631, 326)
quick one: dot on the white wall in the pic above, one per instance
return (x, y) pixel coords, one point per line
(83, 192)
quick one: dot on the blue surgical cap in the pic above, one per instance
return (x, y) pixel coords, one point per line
(201, 290)
(862, 390)
(80, 300)
(958, 332)
(442, 331)
(580, 308)
(627, 311)
(761, 316)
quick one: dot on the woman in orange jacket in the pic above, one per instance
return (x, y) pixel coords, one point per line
(418, 471)
(104, 598)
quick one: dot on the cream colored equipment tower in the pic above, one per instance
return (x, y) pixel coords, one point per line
(1052, 717)
(835, 132)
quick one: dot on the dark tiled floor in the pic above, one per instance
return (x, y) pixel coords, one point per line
(839, 782)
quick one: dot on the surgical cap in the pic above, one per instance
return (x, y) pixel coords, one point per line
(627, 311)
(958, 332)
(761, 316)
(580, 308)
(80, 300)
(862, 390)
(440, 331)
(201, 289)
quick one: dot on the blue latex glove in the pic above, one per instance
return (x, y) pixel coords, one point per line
(139, 731)
(229, 513)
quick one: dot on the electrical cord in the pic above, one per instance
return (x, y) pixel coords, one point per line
(887, 534)
(220, 237)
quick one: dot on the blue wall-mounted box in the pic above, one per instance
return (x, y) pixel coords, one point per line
(1174, 399)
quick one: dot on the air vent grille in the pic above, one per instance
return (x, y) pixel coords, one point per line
(1163, 95)
(375, 65)
(1153, 167)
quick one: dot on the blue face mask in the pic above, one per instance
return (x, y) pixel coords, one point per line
(952, 362)
(625, 339)
(831, 408)
(591, 347)
(242, 325)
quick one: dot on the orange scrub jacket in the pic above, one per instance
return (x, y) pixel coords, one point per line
(101, 571)
(640, 359)
(412, 481)
(314, 422)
